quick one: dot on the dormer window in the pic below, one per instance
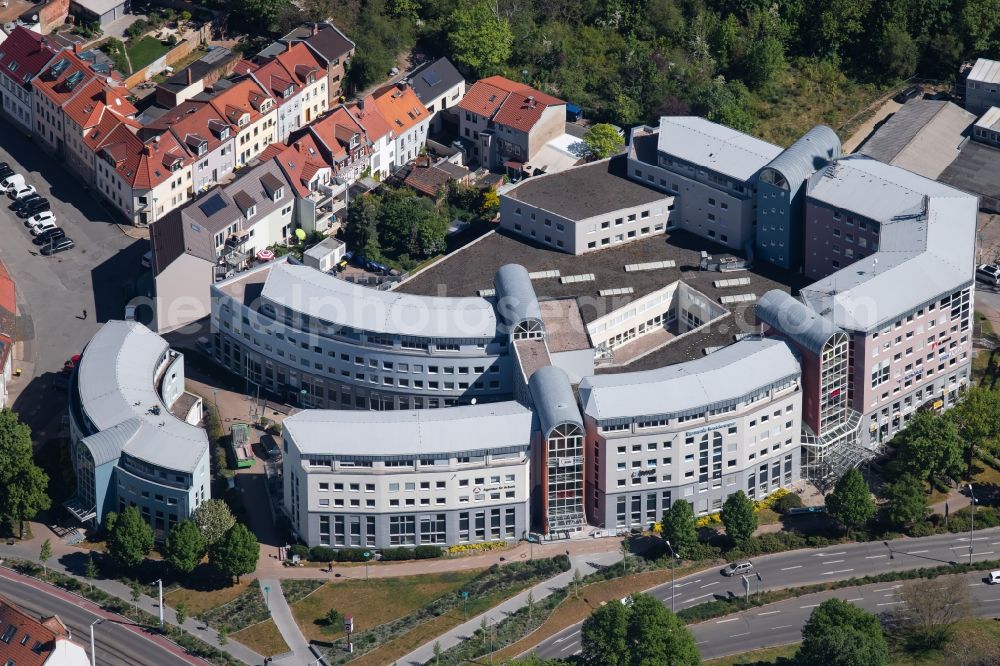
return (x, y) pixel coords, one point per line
(288, 91)
(251, 211)
(244, 120)
(278, 194)
(202, 149)
(224, 133)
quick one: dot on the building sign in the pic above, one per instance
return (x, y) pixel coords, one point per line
(566, 462)
(639, 473)
(708, 428)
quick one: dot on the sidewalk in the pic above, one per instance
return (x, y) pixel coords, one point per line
(61, 551)
(285, 621)
(585, 563)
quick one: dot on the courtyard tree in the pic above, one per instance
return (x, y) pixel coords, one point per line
(906, 501)
(131, 539)
(184, 547)
(851, 501)
(841, 634)
(603, 140)
(23, 484)
(236, 553)
(213, 519)
(678, 527)
(930, 446)
(739, 517)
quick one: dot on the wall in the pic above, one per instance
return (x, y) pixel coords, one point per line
(52, 15)
(192, 39)
(834, 239)
(182, 293)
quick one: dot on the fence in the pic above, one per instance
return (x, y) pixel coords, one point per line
(192, 40)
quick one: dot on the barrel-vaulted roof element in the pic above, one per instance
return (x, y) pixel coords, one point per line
(553, 398)
(806, 156)
(515, 296)
(795, 320)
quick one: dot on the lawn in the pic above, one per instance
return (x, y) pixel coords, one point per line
(199, 601)
(372, 602)
(145, 51)
(766, 656)
(263, 638)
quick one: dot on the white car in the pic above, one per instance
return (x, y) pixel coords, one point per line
(21, 192)
(988, 274)
(12, 181)
(44, 225)
(39, 218)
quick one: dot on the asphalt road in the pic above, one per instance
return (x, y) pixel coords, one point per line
(804, 567)
(98, 275)
(116, 645)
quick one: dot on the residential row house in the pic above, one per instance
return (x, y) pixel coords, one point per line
(297, 80)
(23, 55)
(329, 44)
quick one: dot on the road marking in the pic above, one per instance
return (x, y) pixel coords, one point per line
(745, 633)
(708, 585)
(767, 613)
(991, 599)
(857, 599)
(701, 642)
(810, 606)
(889, 603)
(842, 552)
(875, 557)
(891, 594)
(784, 626)
(830, 573)
(732, 619)
(797, 566)
(560, 640)
(690, 582)
(915, 552)
(975, 584)
(687, 601)
(835, 561)
(985, 552)
(974, 539)
(995, 543)
(886, 589)
(568, 647)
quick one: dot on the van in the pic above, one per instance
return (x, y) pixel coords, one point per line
(988, 274)
(994, 577)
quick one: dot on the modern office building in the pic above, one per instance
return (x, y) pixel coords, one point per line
(135, 438)
(442, 476)
(697, 431)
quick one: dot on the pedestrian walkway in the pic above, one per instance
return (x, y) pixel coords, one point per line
(586, 563)
(28, 550)
(285, 621)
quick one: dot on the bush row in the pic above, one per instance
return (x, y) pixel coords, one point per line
(327, 554)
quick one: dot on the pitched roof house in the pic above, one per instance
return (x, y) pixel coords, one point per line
(22, 56)
(407, 118)
(27, 641)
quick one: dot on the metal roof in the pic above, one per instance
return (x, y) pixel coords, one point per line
(425, 432)
(107, 445)
(985, 70)
(927, 243)
(728, 374)
(328, 298)
(713, 146)
(434, 79)
(515, 296)
(116, 381)
(553, 398)
(795, 320)
(807, 155)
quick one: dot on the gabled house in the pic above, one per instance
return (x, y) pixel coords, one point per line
(63, 78)
(23, 55)
(31, 641)
(508, 122)
(329, 44)
(96, 101)
(297, 81)
(407, 119)
(440, 88)
(322, 197)
(253, 115)
(380, 136)
(215, 236)
(343, 143)
(143, 179)
(206, 135)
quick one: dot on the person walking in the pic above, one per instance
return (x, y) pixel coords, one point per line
(84, 314)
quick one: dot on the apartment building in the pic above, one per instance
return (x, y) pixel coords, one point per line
(205, 134)
(31, 641)
(586, 208)
(407, 119)
(382, 146)
(505, 121)
(135, 434)
(23, 55)
(58, 82)
(439, 87)
(329, 44)
(343, 143)
(296, 79)
(697, 431)
(252, 115)
(88, 117)
(321, 197)
(408, 478)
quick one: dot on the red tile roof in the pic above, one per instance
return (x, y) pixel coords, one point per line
(143, 165)
(300, 161)
(243, 67)
(400, 107)
(301, 64)
(95, 137)
(61, 82)
(27, 52)
(42, 632)
(246, 96)
(87, 107)
(507, 102)
(368, 116)
(335, 129)
(483, 99)
(191, 122)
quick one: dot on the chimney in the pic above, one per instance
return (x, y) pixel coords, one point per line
(297, 146)
(77, 47)
(315, 29)
(147, 150)
(401, 85)
(190, 76)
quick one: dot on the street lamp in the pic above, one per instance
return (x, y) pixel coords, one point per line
(93, 655)
(972, 531)
(159, 584)
(367, 554)
(673, 560)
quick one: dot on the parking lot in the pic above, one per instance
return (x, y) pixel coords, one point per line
(99, 275)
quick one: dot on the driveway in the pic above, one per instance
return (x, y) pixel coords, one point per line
(98, 276)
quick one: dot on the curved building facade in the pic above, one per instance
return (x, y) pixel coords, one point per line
(319, 341)
(134, 433)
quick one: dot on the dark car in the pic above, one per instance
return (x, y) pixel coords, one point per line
(21, 203)
(61, 245)
(48, 235)
(908, 94)
(34, 208)
(5, 171)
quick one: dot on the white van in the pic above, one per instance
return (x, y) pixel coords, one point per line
(994, 577)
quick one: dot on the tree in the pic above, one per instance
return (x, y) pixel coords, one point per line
(236, 553)
(181, 611)
(131, 539)
(361, 226)
(764, 60)
(259, 13)
(44, 553)
(603, 140)
(841, 634)
(851, 501)
(930, 610)
(213, 519)
(136, 594)
(897, 52)
(184, 547)
(577, 580)
(724, 102)
(23, 485)
(479, 39)
(906, 501)
(678, 527)
(490, 204)
(930, 446)
(976, 420)
(437, 652)
(639, 632)
(223, 635)
(739, 517)
(90, 570)
(333, 617)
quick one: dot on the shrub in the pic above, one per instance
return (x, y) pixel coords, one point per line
(351, 555)
(397, 554)
(322, 554)
(172, 39)
(427, 552)
(299, 549)
(789, 501)
(920, 530)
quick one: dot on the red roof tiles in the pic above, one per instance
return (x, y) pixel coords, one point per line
(42, 633)
(24, 54)
(300, 161)
(507, 102)
(87, 107)
(400, 107)
(59, 82)
(368, 116)
(143, 165)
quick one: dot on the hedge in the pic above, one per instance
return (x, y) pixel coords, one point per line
(322, 554)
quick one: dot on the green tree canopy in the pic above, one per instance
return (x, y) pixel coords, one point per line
(906, 501)
(677, 527)
(184, 547)
(480, 39)
(739, 517)
(131, 539)
(976, 419)
(841, 634)
(930, 446)
(603, 140)
(236, 553)
(213, 518)
(640, 632)
(23, 485)
(851, 501)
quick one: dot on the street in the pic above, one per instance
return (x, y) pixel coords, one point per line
(117, 644)
(98, 275)
(804, 567)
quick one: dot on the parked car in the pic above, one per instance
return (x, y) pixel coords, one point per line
(147, 259)
(48, 236)
(61, 245)
(994, 577)
(204, 345)
(21, 192)
(40, 217)
(12, 181)
(43, 225)
(907, 94)
(989, 274)
(6, 172)
(34, 207)
(21, 203)
(737, 569)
